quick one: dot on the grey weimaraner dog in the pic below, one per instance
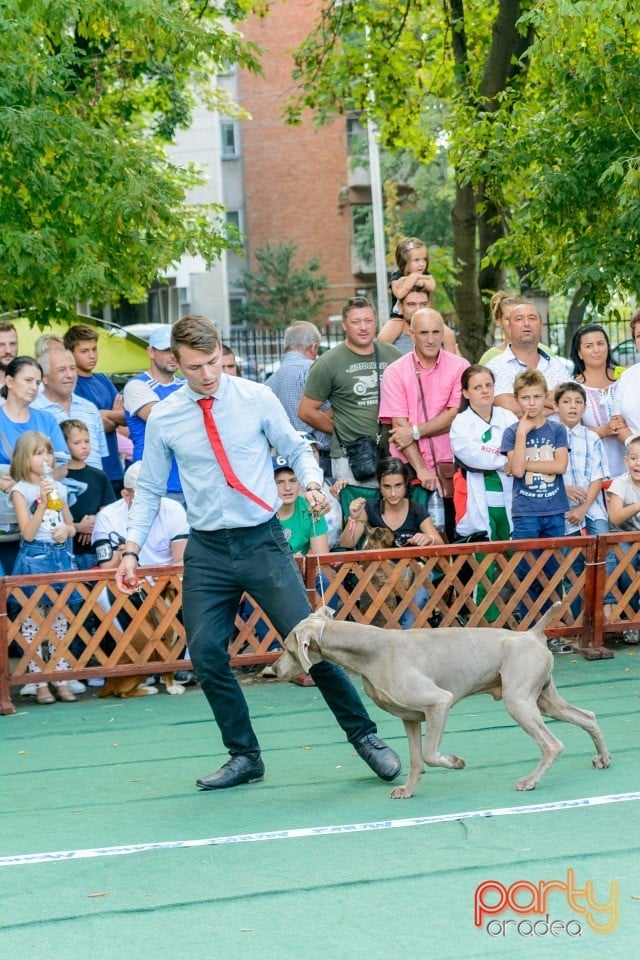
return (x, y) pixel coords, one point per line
(418, 675)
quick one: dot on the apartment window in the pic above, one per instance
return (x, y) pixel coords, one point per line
(235, 311)
(229, 139)
(356, 137)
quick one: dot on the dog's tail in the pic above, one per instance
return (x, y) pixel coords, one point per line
(551, 613)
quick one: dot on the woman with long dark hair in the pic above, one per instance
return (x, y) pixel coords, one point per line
(22, 383)
(595, 369)
(408, 520)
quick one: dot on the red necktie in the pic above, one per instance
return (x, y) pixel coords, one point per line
(223, 460)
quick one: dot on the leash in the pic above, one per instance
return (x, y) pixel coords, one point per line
(319, 578)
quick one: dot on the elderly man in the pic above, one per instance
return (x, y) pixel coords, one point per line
(420, 397)
(348, 376)
(525, 327)
(220, 430)
(301, 342)
(145, 390)
(59, 378)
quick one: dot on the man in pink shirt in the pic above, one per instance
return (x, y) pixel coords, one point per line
(420, 418)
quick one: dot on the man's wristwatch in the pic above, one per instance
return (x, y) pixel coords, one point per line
(313, 486)
(416, 431)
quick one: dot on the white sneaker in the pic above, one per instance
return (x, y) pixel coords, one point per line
(76, 686)
(95, 682)
(29, 690)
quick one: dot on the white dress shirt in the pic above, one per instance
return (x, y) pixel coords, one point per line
(250, 420)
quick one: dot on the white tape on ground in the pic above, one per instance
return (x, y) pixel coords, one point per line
(333, 829)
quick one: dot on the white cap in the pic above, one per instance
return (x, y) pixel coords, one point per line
(131, 475)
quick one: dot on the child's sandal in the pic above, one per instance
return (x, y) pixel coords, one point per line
(44, 695)
(64, 694)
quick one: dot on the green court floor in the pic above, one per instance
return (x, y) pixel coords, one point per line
(109, 850)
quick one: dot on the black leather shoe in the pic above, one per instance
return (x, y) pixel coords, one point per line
(237, 770)
(384, 761)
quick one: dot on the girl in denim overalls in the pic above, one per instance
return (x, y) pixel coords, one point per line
(45, 532)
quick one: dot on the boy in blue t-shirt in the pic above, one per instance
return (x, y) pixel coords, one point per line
(537, 452)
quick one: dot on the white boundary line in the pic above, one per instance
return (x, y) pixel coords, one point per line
(119, 851)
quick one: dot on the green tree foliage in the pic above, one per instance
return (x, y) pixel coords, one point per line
(279, 291)
(90, 94)
(541, 120)
(403, 64)
(572, 150)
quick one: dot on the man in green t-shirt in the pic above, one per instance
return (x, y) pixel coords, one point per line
(348, 376)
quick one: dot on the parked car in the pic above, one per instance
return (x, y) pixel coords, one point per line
(625, 353)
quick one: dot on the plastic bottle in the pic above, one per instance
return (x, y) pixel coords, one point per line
(54, 500)
(436, 509)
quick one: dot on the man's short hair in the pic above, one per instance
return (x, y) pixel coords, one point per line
(45, 359)
(420, 286)
(300, 336)
(528, 378)
(79, 333)
(7, 327)
(67, 426)
(196, 332)
(357, 303)
(44, 341)
(569, 387)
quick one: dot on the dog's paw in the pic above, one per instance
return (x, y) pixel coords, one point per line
(601, 761)
(526, 783)
(401, 793)
(175, 689)
(453, 762)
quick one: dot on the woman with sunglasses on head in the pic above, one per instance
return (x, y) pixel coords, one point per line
(408, 520)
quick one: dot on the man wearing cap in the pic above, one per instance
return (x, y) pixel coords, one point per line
(221, 430)
(143, 392)
(167, 537)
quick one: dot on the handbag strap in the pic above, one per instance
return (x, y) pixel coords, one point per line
(416, 370)
(378, 431)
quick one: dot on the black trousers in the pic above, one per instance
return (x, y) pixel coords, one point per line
(218, 566)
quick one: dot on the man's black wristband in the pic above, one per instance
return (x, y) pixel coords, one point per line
(131, 553)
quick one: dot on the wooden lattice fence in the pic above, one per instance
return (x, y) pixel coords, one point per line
(111, 635)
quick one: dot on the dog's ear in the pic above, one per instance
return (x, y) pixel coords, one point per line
(306, 635)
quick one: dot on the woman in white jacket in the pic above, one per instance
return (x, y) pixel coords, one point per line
(476, 441)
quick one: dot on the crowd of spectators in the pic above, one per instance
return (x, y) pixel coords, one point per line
(533, 451)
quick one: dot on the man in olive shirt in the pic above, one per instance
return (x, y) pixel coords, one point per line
(348, 376)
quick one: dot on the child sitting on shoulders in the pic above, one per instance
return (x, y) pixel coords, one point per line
(412, 258)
